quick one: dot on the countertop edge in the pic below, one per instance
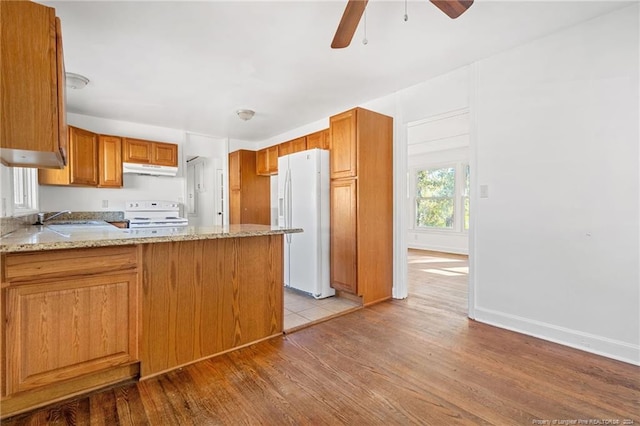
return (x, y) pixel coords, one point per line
(62, 245)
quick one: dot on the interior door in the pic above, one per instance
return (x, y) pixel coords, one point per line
(219, 218)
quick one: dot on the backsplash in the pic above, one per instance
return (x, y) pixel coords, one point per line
(10, 224)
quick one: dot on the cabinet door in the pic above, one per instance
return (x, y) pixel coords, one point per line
(235, 206)
(67, 328)
(31, 121)
(299, 144)
(109, 162)
(284, 148)
(318, 140)
(343, 145)
(262, 162)
(267, 161)
(343, 235)
(272, 159)
(84, 157)
(164, 154)
(234, 171)
(136, 151)
(63, 138)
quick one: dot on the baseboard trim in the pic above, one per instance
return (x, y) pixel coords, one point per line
(587, 342)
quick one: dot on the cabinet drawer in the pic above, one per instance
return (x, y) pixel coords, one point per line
(20, 267)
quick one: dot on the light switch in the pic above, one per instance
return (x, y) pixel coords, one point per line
(105, 204)
(484, 191)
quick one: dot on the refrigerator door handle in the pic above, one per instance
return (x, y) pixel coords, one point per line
(287, 203)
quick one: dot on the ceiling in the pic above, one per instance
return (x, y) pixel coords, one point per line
(191, 65)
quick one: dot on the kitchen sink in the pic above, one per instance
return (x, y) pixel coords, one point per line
(79, 226)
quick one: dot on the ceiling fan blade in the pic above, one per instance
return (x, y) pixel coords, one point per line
(348, 24)
(453, 8)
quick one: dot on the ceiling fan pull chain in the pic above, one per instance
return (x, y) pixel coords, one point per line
(406, 16)
(364, 40)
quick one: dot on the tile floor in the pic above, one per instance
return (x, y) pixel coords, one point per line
(301, 309)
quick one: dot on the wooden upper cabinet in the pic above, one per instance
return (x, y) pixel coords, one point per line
(109, 162)
(149, 152)
(318, 140)
(267, 161)
(82, 168)
(83, 158)
(32, 116)
(295, 145)
(136, 151)
(164, 154)
(344, 143)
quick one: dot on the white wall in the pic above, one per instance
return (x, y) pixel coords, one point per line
(213, 153)
(6, 197)
(134, 187)
(556, 244)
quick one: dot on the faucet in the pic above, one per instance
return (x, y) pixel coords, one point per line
(41, 220)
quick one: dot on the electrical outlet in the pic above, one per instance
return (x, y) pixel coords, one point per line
(105, 204)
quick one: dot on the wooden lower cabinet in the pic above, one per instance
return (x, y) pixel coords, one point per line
(344, 257)
(68, 328)
(71, 323)
(201, 298)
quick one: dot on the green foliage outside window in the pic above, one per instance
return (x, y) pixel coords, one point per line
(435, 192)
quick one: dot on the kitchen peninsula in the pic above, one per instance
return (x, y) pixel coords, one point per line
(85, 309)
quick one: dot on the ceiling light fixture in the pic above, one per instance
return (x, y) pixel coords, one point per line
(245, 114)
(76, 81)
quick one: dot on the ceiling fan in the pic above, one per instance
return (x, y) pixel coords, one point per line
(355, 8)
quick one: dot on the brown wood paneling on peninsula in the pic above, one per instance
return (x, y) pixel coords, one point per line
(201, 298)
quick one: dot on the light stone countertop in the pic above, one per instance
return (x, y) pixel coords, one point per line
(38, 238)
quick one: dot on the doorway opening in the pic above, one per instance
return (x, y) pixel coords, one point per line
(438, 280)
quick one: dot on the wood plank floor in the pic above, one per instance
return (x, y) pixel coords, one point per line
(414, 361)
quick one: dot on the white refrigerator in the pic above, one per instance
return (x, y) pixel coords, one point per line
(303, 202)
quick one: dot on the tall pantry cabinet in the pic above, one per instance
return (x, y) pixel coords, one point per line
(249, 196)
(362, 204)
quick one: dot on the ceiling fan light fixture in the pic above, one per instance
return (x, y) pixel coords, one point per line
(245, 114)
(75, 81)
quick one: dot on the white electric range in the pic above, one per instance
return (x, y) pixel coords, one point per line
(154, 214)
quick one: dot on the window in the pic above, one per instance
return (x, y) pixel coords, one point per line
(435, 196)
(442, 198)
(25, 191)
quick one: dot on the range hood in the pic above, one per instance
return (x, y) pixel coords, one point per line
(149, 169)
